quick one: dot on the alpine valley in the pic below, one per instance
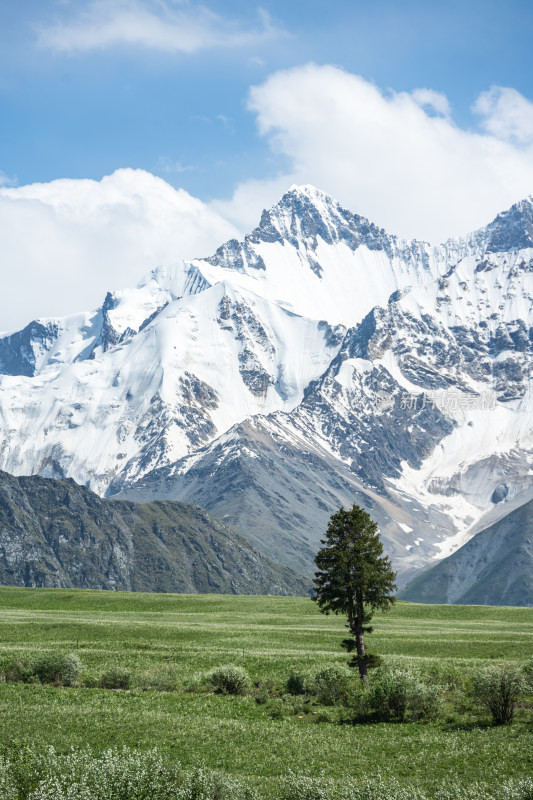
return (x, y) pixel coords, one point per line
(319, 362)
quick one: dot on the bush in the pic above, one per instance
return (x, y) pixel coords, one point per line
(207, 785)
(113, 775)
(528, 673)
(457, 791)
(8, 790)
(262, 697)
(115, 678)
(305, 788)
(287, 706)
(16, 671)
(498, 688)
(61, 668)
(514, 789)
(390, 694)
(296, 684)
(120, 774)
(446, 674)
(398, 691)
(277, 709)
(333, 684)
(198, 682)
(424, 701)
(161, 678)
(521, 789)
(230, 679)
(264, 690)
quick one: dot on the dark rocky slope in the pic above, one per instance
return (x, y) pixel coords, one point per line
(494, 568)
(58, 534)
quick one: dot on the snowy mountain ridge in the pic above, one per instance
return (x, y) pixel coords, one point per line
(319, 345)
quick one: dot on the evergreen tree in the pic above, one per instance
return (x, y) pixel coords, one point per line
(353, 577)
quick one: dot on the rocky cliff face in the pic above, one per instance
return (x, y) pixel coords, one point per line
(58, 534)
(319, 361)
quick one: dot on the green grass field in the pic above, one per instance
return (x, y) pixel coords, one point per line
(269, 636)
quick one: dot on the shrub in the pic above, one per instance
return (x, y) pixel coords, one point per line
(514, 789)
(446, 674)
(63, 668)
(277, 709)
(456, 791)
(198, 682)
(374, 788)
(230, 679)
(359, 704)
(398, 691)
(389, 696)
(296, 684)
(161, 678)
(520, 789)
(326, 715)
(332, 684)
(8, 790)
(113, 775)
(287, 706)
(498, 688)
(305, 788)
(204, 784)
(424, 700)
(262, 697)
(91, 681)
(15, 670)
(115, 678)
(528, 673)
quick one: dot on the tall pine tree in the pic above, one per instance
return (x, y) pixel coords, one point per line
(354, 577)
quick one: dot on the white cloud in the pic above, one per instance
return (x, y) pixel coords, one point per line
(168, 26)
(507, 114)
(386, 156)
(396, 158)
(435, 101)
(65, 243)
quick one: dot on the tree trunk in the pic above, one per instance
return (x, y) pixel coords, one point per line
(355, 623)
(361, 657)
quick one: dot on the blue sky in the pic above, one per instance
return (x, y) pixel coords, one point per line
(189, 118)
(183, 115)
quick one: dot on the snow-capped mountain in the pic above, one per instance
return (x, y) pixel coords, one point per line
(319, 361)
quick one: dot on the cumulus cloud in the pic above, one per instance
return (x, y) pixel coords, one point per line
(397, 158)
(173, 27)
(65, 243)
(506, 114)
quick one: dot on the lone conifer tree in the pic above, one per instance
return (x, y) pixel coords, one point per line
(354, 578)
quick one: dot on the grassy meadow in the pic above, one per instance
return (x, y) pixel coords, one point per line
(271, 637)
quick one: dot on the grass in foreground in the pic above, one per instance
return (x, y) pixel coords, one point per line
(269, 637)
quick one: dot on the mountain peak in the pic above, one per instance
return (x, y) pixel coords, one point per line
(305, 213)
(512, 229)
(305, 197)
(308, 190)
